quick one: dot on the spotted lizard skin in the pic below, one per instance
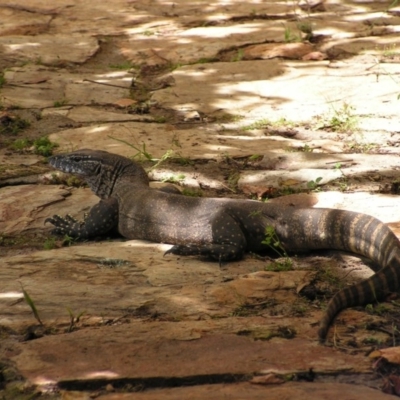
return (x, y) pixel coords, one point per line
(223, 229)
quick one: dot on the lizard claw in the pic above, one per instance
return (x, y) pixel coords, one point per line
(169, 251)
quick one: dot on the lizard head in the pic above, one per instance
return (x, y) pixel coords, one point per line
(100, 169)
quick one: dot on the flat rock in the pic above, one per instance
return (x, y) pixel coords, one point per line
(49, 49)
(47, 87)
(109, 280)
(197, 44)
(172, 349)
(15, 21)
(239, 391)
(91, 114)
(282, 90)
(23, 209)
(195, 143)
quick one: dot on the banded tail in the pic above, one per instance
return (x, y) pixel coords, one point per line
(354, 232)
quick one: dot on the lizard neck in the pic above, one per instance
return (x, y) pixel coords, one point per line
(110, 178)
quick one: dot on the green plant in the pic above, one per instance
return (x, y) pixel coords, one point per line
(259, 124)
(314, 185)
(306, 149)
(306, 28)
(21, 144)
(141, 152)
(160, 119)
(49, 243)
(276, 266)
(191, 192)
(44, 146)
(290, 37)
(272, 241)
(122, 66)
(372, 341)
(148, 32)
(356, 147)
(255, 157)
(226, 118)
(238, 56)
(13, 125)
(60, 103)
(2, 79)
(31, 304)
(204, 60)
(73, 320)
(377, 309)
(175, 179)
(233, 180)
(68, 240)
(343, 181)
(343, 119)
(390, 51)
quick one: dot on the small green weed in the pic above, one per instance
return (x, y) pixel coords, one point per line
(290, 37)
(272, 241)
(122, 66)
(50, 243)
(306, 28)
(377, 309)
(191, 192)
(238, 56)
(141, 152)
(31, 304)
(314, 185)
(372, 341)
(160, 119)
(341, 120)
(390, 51)
(175, 179)
(44, 146)
(68, 240)
(259, 124)
(277, 266)
(227, 118)
(73, 320)
(21, 144)
(60, 103)
(13, 125)
(255, 157)
(306, 149)
(233, 180)
(148, 32)
(356, 147)
(204, 60)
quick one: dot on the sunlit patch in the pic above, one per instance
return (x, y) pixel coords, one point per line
(223, 31)
(11, 295)
(44, 382)
(98, 129)
(15, 47)
(101, 374)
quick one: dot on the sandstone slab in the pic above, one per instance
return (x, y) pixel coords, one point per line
(49, 49)
(272, 90)
(195, 143)
(49, 88)
(24, 208)
(239, 391)
(172, 350)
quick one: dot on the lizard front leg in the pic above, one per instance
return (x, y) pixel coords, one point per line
(101, 219)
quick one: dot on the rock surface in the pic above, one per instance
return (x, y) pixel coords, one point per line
(242, 99)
